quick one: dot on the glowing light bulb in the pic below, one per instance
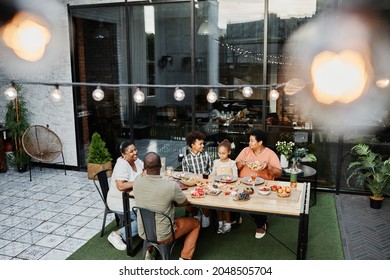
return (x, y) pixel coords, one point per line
(274, 94)
(98, 94)
(247, 91)
(139, 96)
(179, 94)
(211, 96)
(56, 94)
(10, 93)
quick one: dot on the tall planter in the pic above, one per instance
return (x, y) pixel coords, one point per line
(16, 121)
(99, 158)
(283, 161)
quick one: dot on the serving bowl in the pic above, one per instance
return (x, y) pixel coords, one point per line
(264, 190)
(188, 181)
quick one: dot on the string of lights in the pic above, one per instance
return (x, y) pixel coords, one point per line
(98, 94)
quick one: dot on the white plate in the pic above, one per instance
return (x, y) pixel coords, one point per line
(179, 175)
(247, 180)
(222, 178)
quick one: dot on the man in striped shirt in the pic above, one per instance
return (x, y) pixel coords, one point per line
(199, 162)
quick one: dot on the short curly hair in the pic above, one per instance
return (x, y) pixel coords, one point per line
(260, 135)
(193, 136)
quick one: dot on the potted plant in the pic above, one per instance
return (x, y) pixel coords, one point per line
(99, 158)
(371, 170)
(16, 121)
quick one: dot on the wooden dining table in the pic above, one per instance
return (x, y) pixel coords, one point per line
(295, 206)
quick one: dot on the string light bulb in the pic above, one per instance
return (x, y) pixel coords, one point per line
(247, 91)
(56, 94)
(211, 96)
(98, 94)
(274, 94)
(10, 93)
(139, 96)
(382, 83)
(179, 94)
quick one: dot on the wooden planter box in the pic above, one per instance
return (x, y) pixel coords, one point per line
(94, 168)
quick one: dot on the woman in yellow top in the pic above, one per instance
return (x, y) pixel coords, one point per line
(258, 159)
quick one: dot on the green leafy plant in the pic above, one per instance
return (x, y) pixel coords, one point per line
(370, 169)
(292, 151)
(98, 153)
(16, 121)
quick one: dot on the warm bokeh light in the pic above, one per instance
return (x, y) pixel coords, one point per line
(274, 94)
(382, 83)
(338, 76)
(293, 86)
(27, 35)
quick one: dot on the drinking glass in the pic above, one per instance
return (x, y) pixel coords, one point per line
(253, 178)
(163, 161)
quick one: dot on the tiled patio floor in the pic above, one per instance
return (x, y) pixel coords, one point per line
(48, 218)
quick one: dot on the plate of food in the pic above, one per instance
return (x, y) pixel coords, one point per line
(198, 193)
(241, 197)
(179, 175)
(248, 180)
(188, 181)
(225, 178)
(214, 191)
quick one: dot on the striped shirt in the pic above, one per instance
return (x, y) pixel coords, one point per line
(198, 164)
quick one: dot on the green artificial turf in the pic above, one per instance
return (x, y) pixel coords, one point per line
(324, 239)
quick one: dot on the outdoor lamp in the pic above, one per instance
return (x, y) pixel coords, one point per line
(247, 91)
(98, 94)
(56, 94)
(10, 93)
(211, 96)
(139, 96)
(27, 35)
(274, 94)
(382, 83)
(179, 94)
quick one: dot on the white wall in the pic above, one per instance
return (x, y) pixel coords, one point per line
(54, 67)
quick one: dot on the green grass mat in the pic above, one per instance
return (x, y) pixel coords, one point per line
(324, 239)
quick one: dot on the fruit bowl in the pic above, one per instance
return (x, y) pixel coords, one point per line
(284, 192)
(264, 190)
(188, 181)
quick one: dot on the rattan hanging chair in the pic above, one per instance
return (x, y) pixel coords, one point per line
(42, 145)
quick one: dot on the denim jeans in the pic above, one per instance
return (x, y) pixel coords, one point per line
(134, 225)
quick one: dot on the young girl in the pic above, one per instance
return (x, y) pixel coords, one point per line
(224, 166)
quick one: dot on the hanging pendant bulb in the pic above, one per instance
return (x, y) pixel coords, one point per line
(211, 96)
(10, 93)
(56, 94)
(247, 91)
(98, 94)
(139, 96)
(274, 94)
(179, 94)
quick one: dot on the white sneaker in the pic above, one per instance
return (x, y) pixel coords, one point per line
(226, 228)
(149, 256)
(198, 217)
(116, 241)
(220, 227)
(205, 221)
(259, 234)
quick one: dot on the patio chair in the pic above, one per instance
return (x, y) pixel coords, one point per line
(102, 177)
(149, 223)
(43, 145)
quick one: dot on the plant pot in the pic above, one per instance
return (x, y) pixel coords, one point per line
(283, 161)
(376, 202)
(94, 168)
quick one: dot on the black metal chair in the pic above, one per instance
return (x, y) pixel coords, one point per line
(149, 223)
(103, 191)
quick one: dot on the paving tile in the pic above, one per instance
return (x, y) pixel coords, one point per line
(75, 210)
(29, 224)
(29, 212)
(31, 237)
(66, 230)
(13, 249)
(3, 257)
(79, 221)
(71, 244)
(85, 233)
(34, 253)
(51, 240)
(55, 254)
(47, 227)
(61, 218)
(12, 221)
(12, 233)
(4, 242)
(57, 207)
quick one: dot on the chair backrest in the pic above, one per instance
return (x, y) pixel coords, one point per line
(149, 223)
(41, 143)
(102, 177)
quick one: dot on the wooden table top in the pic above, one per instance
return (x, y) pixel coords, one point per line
(272, 203)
